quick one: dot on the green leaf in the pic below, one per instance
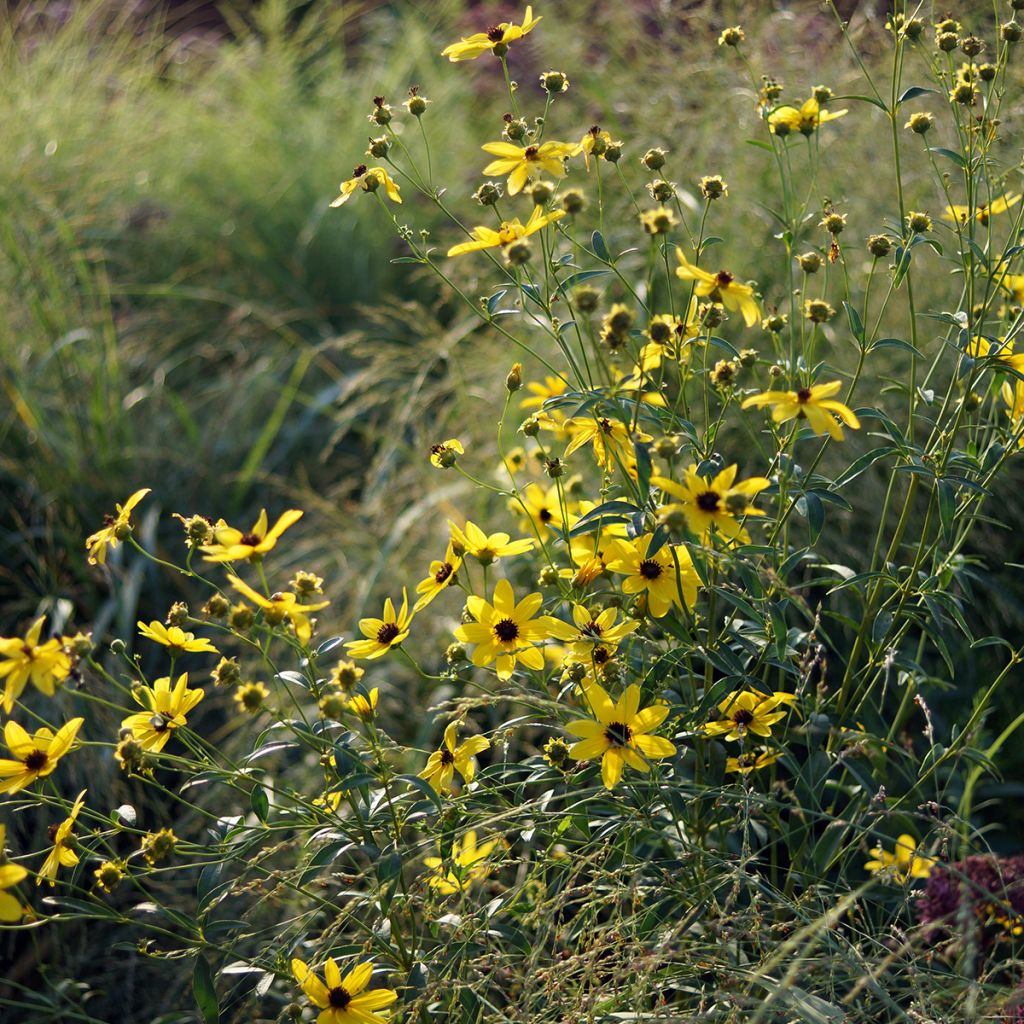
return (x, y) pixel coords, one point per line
(600, 248)
(858, 466)
(259, 802)
(903, 346)
(913, 92)
(947, 508)
(760, 144)
(615, 511)
(950, 155)
(424, 787)
(855, 322)
(204, 991)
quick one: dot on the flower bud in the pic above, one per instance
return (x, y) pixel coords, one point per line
(488, 193)
(654, 159)
(666, 447)
(573, 201)
(879, 245)
(240, 618)
(531, 427)
(833, 222)
(455, 653)
(732, 36)
(516, 129)
(710, 315)
(822, 93)
(775, 372)
(613, 152)
(416, 104)
(987, 72)
(554, 468)
(659, 221)
(178, 614)
(517, 253)
(662, 191)
(947, 41)
(775, 324)
(379, 147)
(381, 113)
(810, 262)
(972, 45)
(80, 645)
(554, 82)
(748, 357)
(514, 379)
(547, 577)
(586, 299)
(713, 187)
(918, 222)
(913, 29)
(541, 192)
(1010, 31)
(818, 311)
(724, 374)
(920, 123)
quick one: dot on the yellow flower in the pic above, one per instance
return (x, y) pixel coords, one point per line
(250, 697)
(746, 763)
(345, 675)
(281, 606)
(748, 711)
(714, 503)
(10, 875)
(486, 549)
(158, 846)
(364, 707)
(382, 634)
(442, 575)
(35, 756)
(814, 404)
(1013, 283)
(495, 39)
(63, 853)
(592, 628)
(443, 763)
(117, 528)
(165, 711)
(464, 868)
(806, 119)
(519, 162)
(369, 179)
(541, 506)
(611, 440)
(667, 577)
(904, 863)
(508, 231)
(109, 874)
(344, 1000)
(1002, 351)
(720, 287)
(595, 143)
(620, 736)
(1013, 396)
(445, 454)
(175, 639)
(505, 632)
(982, 211)
(540, 393)
(231, 545)
(27, 660)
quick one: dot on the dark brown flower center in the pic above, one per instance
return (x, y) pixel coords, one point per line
(530, 153)
(742, 716)
(618, 734)
(592, 629)
(723, 279)
(359, 171)
(447, 757)
(249, 539)
(709, 501)
(649, 569)
(605, 425)
(545, 515)
(387, 632)
(506, 631)
(338, 997)
(803, 395)
(36, 760)
(602, 655)
(496, 34)
(159, 722)
(443, 573)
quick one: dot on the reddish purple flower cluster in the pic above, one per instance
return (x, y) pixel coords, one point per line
(983, 893)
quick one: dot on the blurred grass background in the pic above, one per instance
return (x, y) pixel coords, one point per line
(180, 309)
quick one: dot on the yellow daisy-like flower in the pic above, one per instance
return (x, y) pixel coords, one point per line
(344, 1000)
(746, 763)
(1002, 351)
(508, 231)
(814, 404)
(26, 660)
(63, 853)
(11, 909)
(591, 629)
(804, 119)
(904, 863)
(465, 866)
(666, 578)
(175, 639)
(1013, 396)
(1013, 283)
(519, 162)
(540, 506)
(720, 287)
(505, 632)
(748, 711)
(166, 709)
(982, 212)
(451, 758)
(281, 606)
(552, 387)
(369, 179)
(621, 734)
(719, 502)
(382, 634)
(116, 529)
(486, 549)
(364, 707)
(250, 697)
(231, 545)
(611, 440)
(442, 575)
(35, 756)
(495, 39)
(444, 454)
